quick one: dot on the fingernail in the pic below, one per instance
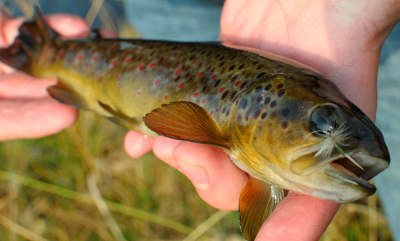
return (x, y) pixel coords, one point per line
(197, 174)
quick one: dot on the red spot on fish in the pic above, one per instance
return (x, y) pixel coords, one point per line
(165, 97)
(113, 62)
(141, 49)
(221, 90)
(141, 66)
(199, 75)
(139, 92)
(176, 55)
(59, 55)
(238, 83)
(181, 85)
(213, 77)
(152, 65)
(203, 101)
(212, 113)
(185, 99)
(73, 46)
(128, 60)
(177, 72)
(196, 95)
(79, 57)
(157, 82)
(118, 78)
(86, 65)
(197, 62)
(111, 48)
(94, 59)
(96, 76)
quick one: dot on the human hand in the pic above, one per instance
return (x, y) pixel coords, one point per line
(26, 110)
(340, 39)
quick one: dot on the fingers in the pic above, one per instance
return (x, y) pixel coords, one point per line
(68, 25)
(217, 180)
(33, 118)
(298, 218)
(8, 29)
(137, 144)
(19, 85)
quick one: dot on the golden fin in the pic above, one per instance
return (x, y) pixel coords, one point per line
(257, 201)
(64, 94)
(119, 118)
(186, 121)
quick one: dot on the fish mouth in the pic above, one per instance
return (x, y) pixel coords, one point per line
(357, 169)
(347, 171)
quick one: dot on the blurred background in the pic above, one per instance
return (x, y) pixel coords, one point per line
(80, 184)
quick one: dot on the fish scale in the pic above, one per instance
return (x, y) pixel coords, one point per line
(205, 74)
(287, 127)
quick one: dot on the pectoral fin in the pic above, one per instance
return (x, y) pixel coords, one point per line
(257, 201)
(119, 118)
(186, 121)
(64, 94)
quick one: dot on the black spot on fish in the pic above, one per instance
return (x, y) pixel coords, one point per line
(232, 67)
(263, 115)
(191, 57)
(279, 86)
(209, 54)
(284, 124)
(256, 113)
(173, 47)
(217, 82)
(281, 92)
(217, 56)
(177, 78)
(273, 104)
(204, 89)
(243, 103)
(268, 87)
(233, 94)
(285, 112)
(221, 64)
(260, 75)
(258, 89)
(225, 94)
(233, 57)
(243, 84)
(260, 66)
(221, 58)
(240, 66)
(267, 100)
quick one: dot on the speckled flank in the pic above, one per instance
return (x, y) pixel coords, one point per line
(211, 75)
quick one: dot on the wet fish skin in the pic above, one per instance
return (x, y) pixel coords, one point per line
(278, 122)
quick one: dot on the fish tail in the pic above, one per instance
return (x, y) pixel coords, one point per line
(33, 35)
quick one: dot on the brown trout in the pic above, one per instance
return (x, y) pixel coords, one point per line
(286, 126)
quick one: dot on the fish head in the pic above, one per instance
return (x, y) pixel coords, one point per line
(314, 141)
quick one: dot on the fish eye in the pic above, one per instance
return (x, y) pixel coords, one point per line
(324, 120)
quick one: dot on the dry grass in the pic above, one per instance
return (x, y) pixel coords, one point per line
(80, 185)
